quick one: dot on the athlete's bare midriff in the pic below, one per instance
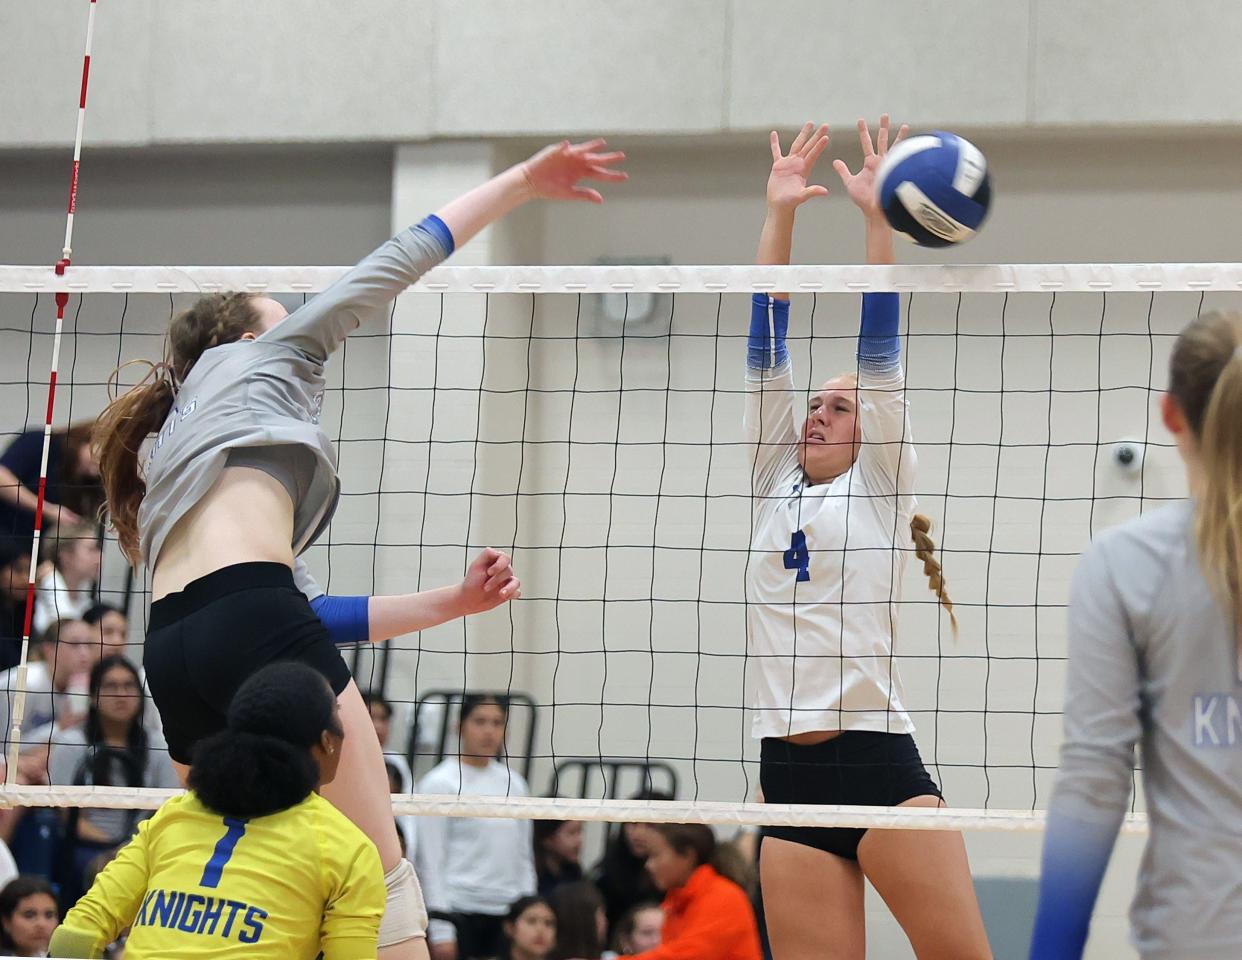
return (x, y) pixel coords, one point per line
(246, 516)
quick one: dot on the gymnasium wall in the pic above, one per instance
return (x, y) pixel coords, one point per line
(176, 71)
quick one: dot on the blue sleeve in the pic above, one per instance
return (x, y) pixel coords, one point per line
(879, 345)
(1103, 709)
(769, 322)
(1075, 857)
(346, 618)
(439, 229)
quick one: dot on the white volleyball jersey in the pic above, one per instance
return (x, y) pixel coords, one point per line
(826, 563)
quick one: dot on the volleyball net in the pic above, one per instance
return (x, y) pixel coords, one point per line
(588, 420)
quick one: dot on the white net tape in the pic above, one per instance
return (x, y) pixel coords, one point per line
(612, 811)
(915, 278)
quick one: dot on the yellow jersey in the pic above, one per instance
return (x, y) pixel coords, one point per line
(193, 883)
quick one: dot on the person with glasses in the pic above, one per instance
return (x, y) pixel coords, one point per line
(112, 748)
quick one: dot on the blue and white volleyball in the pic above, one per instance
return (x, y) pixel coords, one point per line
(935, 189)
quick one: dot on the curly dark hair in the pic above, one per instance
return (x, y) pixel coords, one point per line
(262, 763)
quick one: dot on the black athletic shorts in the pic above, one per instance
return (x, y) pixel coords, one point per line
(205, 641)
(856, 767)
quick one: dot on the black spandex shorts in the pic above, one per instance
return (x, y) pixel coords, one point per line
(205, 641)
(857, 767)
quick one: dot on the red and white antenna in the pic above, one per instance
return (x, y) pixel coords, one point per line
(62, 300)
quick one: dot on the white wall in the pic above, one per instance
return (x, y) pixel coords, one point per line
(182, 71)
(321, 205)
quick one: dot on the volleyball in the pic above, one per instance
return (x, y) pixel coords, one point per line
(935, 189)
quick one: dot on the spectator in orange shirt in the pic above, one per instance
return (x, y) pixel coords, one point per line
(707, 916)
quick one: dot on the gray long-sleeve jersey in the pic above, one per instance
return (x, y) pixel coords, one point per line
(267, 393)
(1154, 660)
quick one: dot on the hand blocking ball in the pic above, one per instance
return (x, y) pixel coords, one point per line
(935, 189)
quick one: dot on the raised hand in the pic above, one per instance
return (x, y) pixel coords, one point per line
(553, 173)
(489, 582)
(860, 186)
(787, 183)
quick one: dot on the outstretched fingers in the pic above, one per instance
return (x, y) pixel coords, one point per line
(590, 146)
(864, 139)
(881, 140)
(818, 146)
(606, 173)
(801, 139)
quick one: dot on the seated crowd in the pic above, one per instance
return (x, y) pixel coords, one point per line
(517, 889)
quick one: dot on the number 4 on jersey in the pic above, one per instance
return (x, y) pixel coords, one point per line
(797, 557)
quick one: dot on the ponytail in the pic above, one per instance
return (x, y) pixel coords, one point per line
(1219, 521)
(115, 440)
(262, 762)
(1205, 379)
(925, 550)
(242, 774)
(131, 417)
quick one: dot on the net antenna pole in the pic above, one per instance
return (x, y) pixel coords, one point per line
(62, 300)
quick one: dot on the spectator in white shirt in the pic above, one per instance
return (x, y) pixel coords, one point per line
(472, 870)
(56, 691)
(67, 590)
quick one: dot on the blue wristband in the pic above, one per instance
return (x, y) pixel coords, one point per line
(769, 321)
(878, 342)
(346, 618)
(439, 229)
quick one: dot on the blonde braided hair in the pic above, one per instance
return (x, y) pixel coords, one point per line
(925, 550)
